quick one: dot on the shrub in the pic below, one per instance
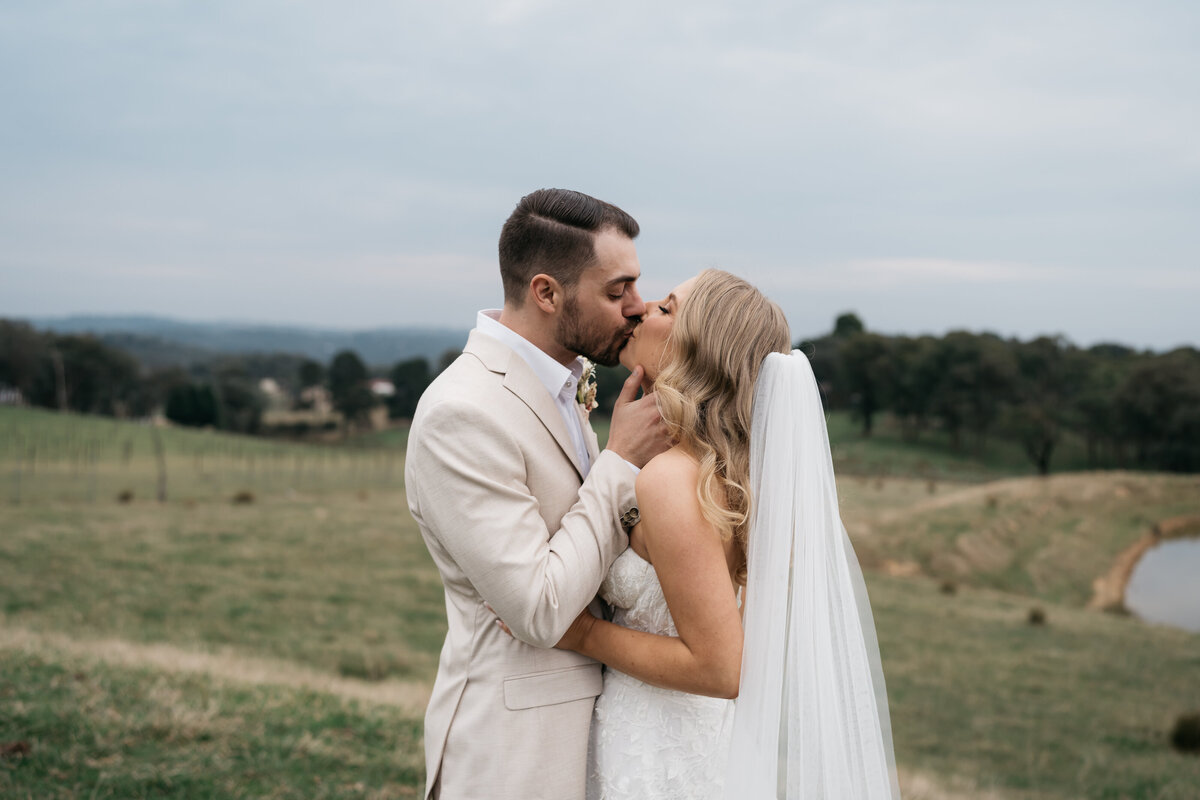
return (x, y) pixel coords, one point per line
(371, 666)
(1037, 616)
(1186, 735)
(18, 749)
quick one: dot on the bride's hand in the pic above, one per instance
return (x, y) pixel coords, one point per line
(575, 635)
(499, 622)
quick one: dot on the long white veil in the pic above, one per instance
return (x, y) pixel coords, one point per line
(811, 719)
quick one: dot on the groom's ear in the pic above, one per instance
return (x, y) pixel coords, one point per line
(546, 293)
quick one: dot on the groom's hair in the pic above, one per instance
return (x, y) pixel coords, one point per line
(553, 231)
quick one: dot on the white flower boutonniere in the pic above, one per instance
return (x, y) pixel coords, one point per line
(585, 395)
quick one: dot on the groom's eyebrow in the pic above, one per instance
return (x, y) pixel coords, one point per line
(623, 279)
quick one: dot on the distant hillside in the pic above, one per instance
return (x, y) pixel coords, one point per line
(161, 341)
(155, 351)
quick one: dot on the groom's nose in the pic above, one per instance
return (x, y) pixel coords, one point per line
(634, 307)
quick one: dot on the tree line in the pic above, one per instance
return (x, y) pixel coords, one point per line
(1130, 408)
(80, 373)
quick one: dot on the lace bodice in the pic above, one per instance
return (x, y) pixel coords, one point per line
(632, 589)
(649, 743)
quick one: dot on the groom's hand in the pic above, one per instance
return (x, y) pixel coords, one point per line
(638, 433)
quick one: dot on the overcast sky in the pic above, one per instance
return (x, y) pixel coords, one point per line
(1020, 167)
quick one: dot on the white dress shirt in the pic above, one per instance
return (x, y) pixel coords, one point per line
(561, 382)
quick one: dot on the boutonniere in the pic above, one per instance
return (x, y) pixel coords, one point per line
(585, 395)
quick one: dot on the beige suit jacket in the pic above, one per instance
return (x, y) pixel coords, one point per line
(494, 485)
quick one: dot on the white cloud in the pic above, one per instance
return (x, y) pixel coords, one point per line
(882, 273)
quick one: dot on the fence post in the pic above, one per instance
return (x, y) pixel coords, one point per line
(161, 457)
(92, 468)
(17, 478)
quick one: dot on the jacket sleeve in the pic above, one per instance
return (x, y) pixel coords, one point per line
(471, 494)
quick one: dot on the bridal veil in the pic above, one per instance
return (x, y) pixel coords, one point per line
(812, 717)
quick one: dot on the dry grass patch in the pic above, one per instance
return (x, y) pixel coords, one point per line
(230, 667)
(1048, 538)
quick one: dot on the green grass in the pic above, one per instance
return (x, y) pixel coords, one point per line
(95, 731)
(47, 457)
(886, 452)
(392, 438)
(341, 582)
(1080, 707)
(932, 455)
(330, 578)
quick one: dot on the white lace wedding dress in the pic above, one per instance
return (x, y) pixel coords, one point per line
(649, 743)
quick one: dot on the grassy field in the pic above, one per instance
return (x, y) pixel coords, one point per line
(888, 453)
(99, 731)
(68, 458)
(283, 646)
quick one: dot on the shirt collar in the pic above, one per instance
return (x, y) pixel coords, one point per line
(550, 373)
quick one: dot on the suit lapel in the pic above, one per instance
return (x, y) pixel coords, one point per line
(520, 379)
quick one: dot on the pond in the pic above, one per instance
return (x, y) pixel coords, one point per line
(1165, 585)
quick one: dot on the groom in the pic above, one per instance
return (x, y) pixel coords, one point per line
(519, 509)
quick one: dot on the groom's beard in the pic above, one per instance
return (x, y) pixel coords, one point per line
(593, 342)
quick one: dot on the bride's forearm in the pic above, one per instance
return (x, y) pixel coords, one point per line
(665, 661)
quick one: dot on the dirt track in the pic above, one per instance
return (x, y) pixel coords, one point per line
(410, 696)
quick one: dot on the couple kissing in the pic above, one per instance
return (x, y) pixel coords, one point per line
(699, 557)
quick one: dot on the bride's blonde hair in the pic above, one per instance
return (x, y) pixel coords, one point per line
(721, 335)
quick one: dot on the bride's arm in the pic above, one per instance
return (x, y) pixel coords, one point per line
(689, 558)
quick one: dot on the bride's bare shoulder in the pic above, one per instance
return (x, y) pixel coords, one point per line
(666, 476)
(672, 519)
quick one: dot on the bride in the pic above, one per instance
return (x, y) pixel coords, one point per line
(739, 580)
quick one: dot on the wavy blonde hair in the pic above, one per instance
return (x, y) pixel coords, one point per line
(721, 335)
